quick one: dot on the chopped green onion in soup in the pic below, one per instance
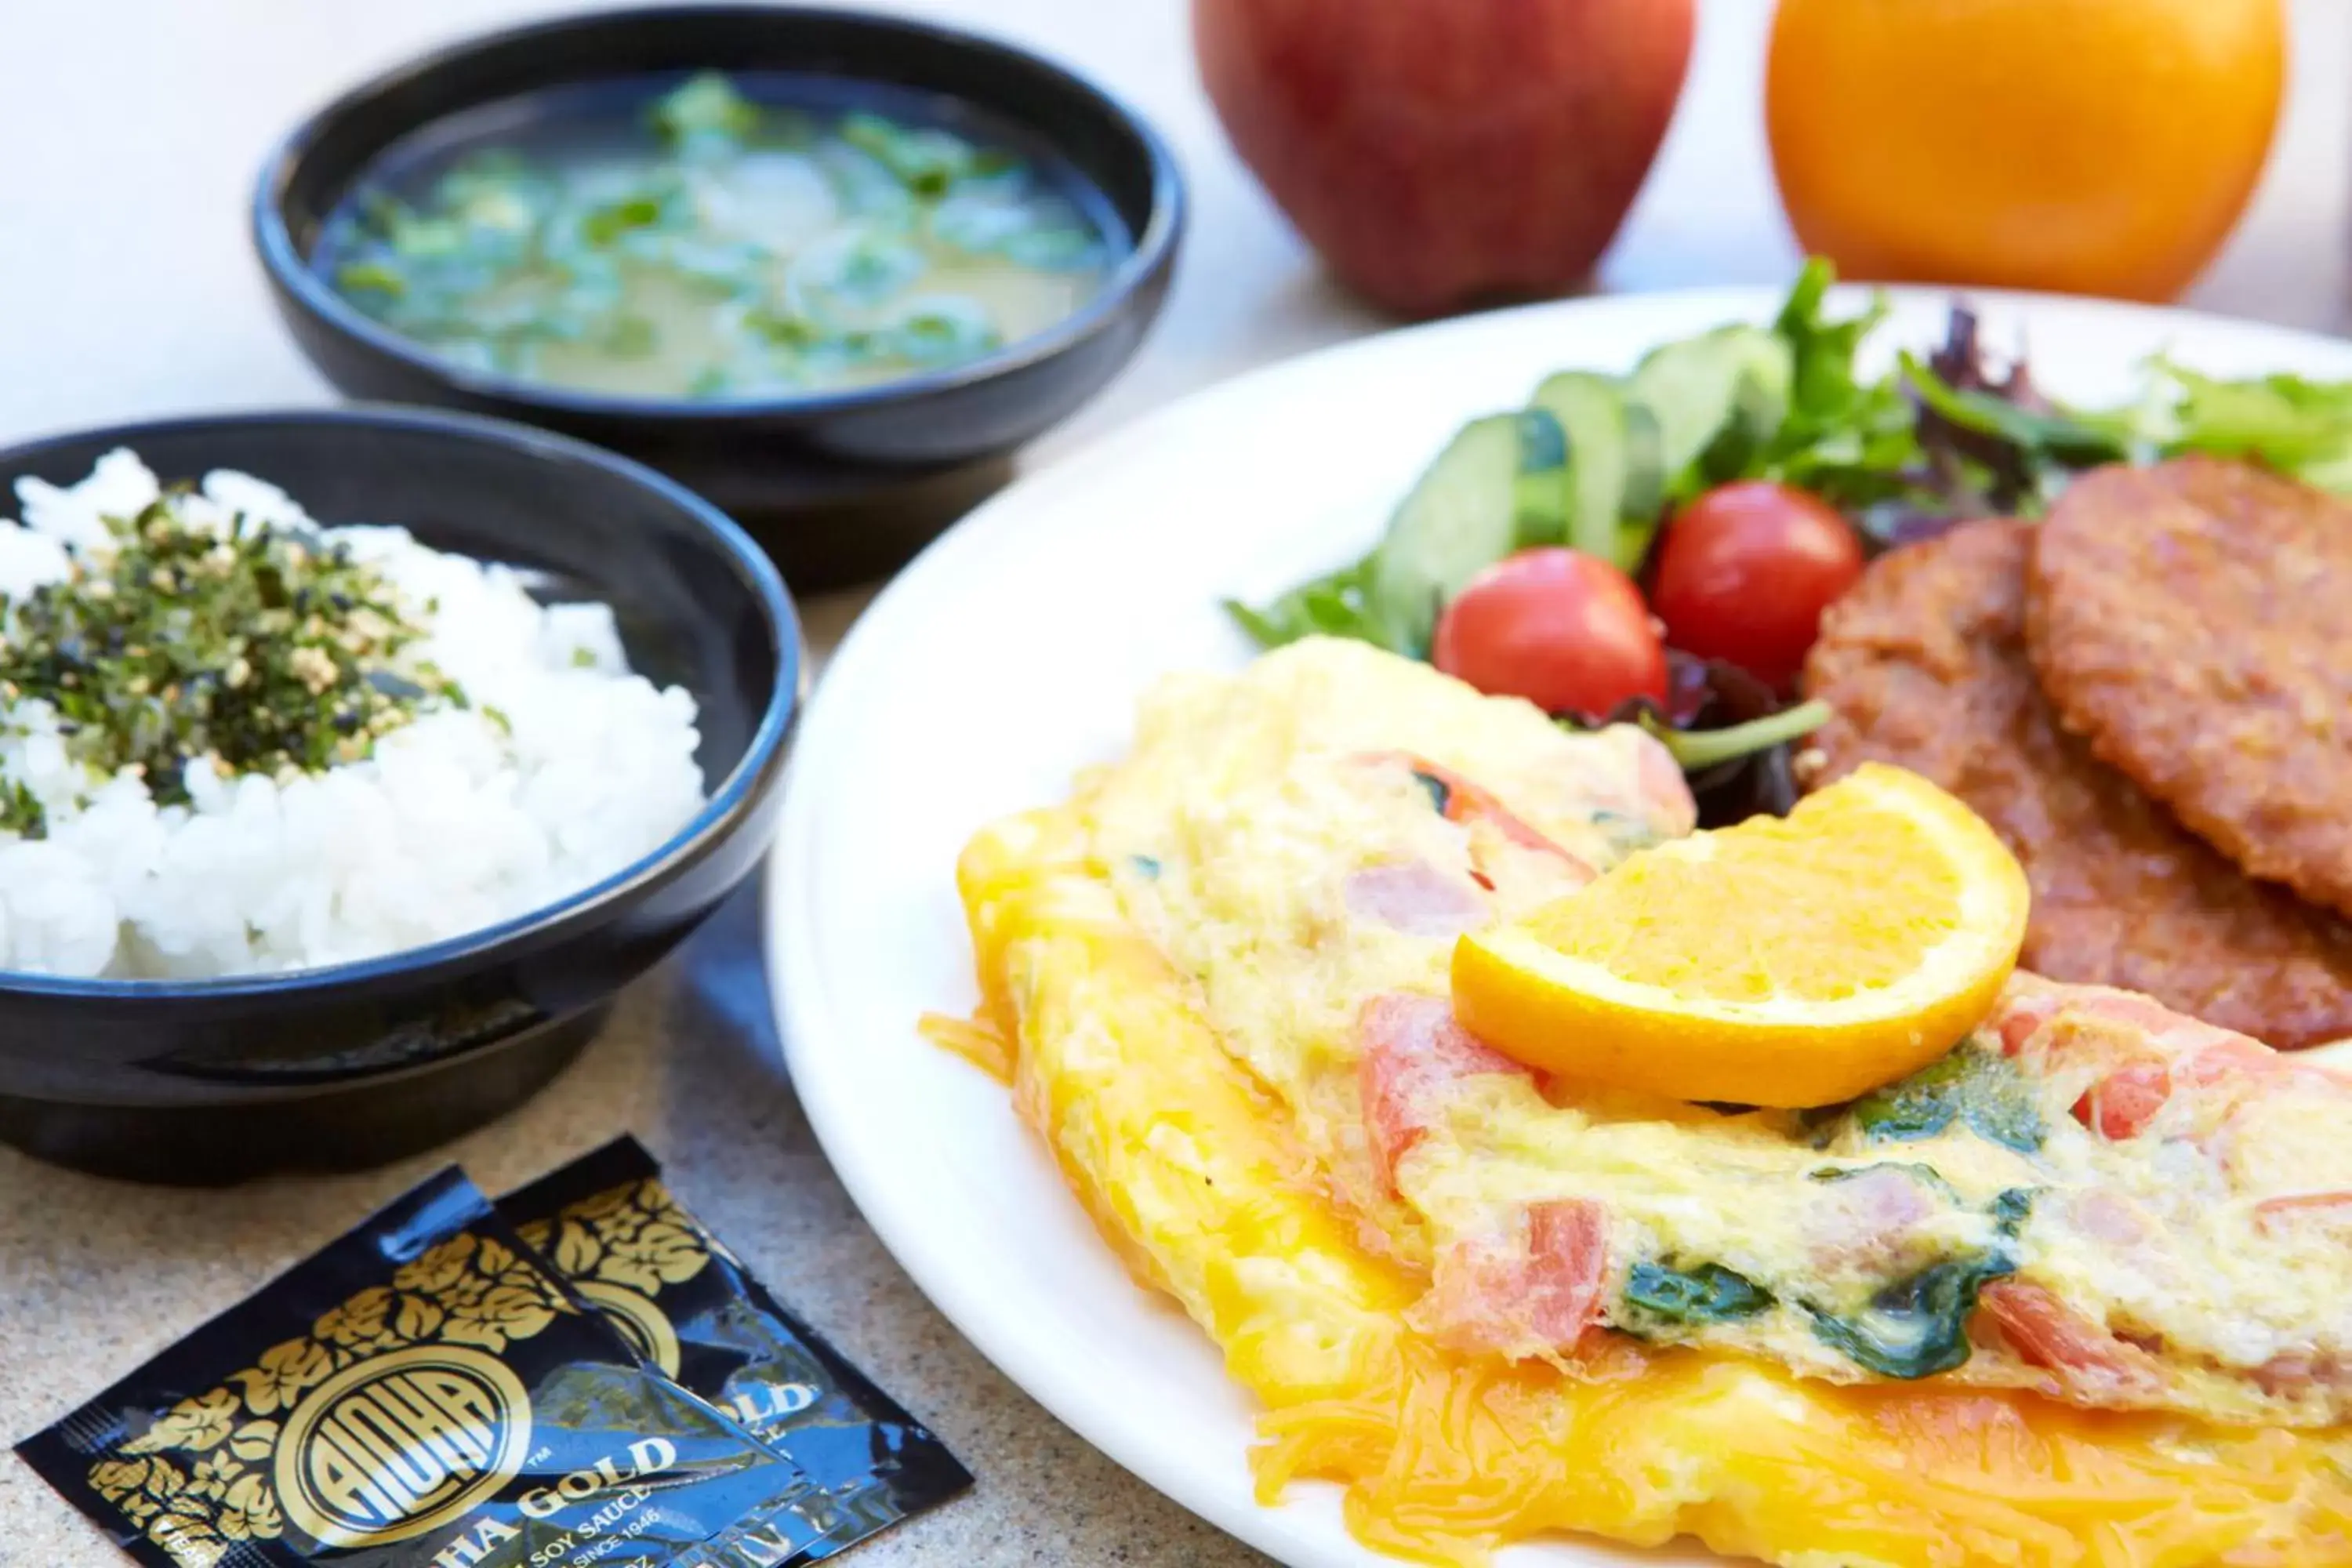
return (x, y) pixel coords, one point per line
(727, 249)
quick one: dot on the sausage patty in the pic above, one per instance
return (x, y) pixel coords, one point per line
(2190, 620)
(1924, 662)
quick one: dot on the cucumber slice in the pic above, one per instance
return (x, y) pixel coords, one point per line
(1500, 483)
(1591, 413)
(1644, 499)
(1688, 386)
(1716, 400)
(1757, 411)
(1766, 357)
(1695, 389)
(1645, 464)
(1539, 498)
(1760, 402)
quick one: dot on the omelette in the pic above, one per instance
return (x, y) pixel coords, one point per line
(2079, 1292)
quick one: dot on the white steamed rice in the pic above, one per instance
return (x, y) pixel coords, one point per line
(453, 824)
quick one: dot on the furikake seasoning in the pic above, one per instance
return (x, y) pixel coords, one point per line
(249, 647)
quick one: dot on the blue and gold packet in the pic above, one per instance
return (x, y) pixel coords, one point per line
(425, 1393)
(611, 1226)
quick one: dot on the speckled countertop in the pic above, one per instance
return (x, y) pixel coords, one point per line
(127, 290)
(96, 1277)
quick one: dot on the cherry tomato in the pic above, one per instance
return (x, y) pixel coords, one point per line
(1745, 571)
(1564, 630)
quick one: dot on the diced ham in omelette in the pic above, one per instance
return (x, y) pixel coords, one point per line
(1533, 1291)
(2092, 1365)
(1867, 1218)
(1414, 1058)
(1416, 897)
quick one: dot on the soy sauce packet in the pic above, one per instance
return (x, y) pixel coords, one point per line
(609, 1224)
(425, 1393)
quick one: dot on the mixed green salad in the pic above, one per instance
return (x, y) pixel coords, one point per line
(1659, 546)
(723, 248)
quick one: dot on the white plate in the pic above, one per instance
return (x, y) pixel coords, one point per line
(1010, 656)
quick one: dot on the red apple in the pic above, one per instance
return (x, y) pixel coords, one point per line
(1440, 153)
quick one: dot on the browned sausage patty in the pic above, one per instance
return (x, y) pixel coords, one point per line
(1924, 664)
(2193, 621)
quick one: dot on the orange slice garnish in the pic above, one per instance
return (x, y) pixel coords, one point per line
(1786, 961)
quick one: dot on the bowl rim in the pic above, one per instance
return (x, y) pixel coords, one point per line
(1153, 248)
(729, 803)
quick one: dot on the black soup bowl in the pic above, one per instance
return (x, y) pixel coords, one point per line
(838, 486)
(355, 1064)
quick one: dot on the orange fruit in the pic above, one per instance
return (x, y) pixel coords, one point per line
(1788, 961)
(2089, 146)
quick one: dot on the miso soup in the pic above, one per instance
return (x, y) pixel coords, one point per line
(710, 244)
